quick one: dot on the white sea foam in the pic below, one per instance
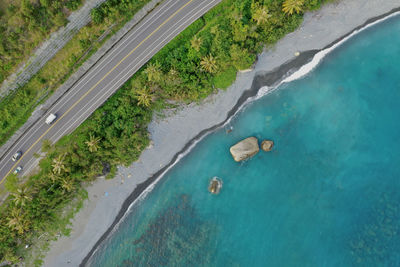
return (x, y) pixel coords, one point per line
(318, 57)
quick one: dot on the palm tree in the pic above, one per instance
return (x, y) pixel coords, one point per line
(21, 196)
(153, 72)
(58, 164)
(67, 184)
(260, 14)
(53, 177)
(144, 97)
(215, 30)
(196, 43)
(173, 78)
(17, 221)
(209, 64)
(93, 143)
(291, 6)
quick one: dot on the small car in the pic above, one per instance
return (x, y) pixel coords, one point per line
(18, 169)
(16, 156)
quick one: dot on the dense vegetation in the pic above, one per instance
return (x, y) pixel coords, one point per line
(24, 24)
(17, 107)
(204, 57)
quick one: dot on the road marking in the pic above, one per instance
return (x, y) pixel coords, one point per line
(94, 86)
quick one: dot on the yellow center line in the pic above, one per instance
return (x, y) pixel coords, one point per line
(94, 86)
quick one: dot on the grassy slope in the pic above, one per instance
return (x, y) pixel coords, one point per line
(25, 24)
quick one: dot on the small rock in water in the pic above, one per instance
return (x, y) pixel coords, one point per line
(267, 145)
(245, 149)
(215, 186)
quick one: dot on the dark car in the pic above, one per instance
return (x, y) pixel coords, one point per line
(16, 156)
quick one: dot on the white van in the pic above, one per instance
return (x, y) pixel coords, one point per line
(52, 117)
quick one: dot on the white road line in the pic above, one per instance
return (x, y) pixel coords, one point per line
(30, 165)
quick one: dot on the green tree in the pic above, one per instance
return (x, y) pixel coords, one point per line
(17, 221)
(93, 143)
(144, 97)
(209, 64)
(260, 13)
(60, 19)
(97, 15)
(240, 31)
(196, 43)
(153, 72)
(21, 196)
(58, 164)
(235, 15)
(67, 184)
(45, 3)
(291, 6)
(26, 9)
(173, 78)
(73, 4)
(241, 58)
(53, 177)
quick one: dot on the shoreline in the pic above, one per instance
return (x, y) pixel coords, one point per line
(141, 188)
(269, 79)
(183, 131)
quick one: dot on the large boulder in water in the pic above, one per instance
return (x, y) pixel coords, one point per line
(267, 145)
(245, 149)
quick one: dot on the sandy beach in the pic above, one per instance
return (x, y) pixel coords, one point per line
(174, 134)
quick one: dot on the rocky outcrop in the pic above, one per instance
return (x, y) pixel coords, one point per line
(245, 149)
(267, 145)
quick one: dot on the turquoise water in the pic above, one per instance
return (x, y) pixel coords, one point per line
(327, 195)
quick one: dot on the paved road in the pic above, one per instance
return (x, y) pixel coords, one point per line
(117, 66)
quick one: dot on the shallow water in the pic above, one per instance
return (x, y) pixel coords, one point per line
(327, 195)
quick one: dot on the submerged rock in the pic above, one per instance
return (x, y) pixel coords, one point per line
(267, 145)
(215, 185)
(245, 149)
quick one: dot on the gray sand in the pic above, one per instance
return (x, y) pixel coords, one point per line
(170, 135)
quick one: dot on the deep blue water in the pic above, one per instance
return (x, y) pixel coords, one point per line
(327, 195)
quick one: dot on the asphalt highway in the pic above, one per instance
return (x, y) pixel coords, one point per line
(105, 77)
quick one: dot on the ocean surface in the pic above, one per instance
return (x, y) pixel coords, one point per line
(327, 195)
